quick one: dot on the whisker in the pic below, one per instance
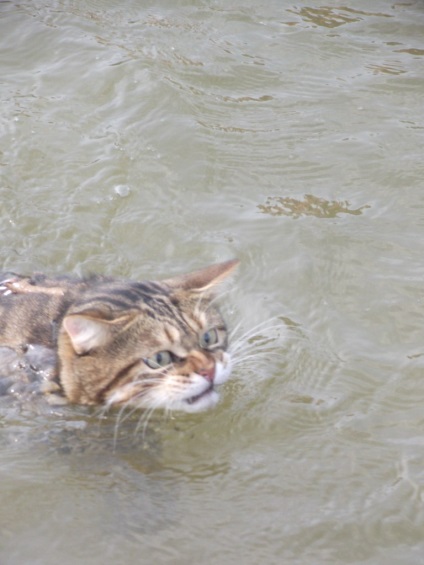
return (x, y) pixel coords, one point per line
(116, 427)
(101, 412)
(239, 347)
(131, 405)
(234, 331)
(219, 296)
(211, 301)
(263, 323)
(263, 326)
(144, 419)
(256, 344)
(263, 349)
(122, 417)
(253, 342)
(148, 411)
(264, 355)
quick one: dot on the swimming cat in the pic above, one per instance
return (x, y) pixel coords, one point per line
(119, 342)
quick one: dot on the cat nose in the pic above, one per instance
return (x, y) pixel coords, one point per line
(201, 364)
(208, 374)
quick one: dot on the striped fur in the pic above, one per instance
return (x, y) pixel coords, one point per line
(142, 344)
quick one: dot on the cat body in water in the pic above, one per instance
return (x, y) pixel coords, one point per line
(115, 342)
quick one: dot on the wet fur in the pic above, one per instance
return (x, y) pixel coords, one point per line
(102, 333)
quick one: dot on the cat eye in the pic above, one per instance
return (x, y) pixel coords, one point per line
(159, 359)
(209, 339)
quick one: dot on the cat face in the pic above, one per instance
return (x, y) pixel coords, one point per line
(149, 345)
(180, 368)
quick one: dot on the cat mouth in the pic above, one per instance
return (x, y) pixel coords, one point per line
(206, 392)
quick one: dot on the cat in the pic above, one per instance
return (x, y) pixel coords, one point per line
(111, 342)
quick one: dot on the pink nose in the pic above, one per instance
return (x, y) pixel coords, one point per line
(209, 374)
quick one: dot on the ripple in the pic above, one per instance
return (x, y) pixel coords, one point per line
(310, 206)
(144, 140)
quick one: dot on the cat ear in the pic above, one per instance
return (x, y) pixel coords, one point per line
(85, 333)
(90, 329)
(205, 279)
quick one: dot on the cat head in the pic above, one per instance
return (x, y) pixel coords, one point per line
(147, 345)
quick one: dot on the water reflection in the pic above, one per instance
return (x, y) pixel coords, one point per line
(310, 206)
(329, 17)
(324, 16)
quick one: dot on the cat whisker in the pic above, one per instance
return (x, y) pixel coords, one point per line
(264, 355)
(127, 407)
(218, 297)
(265, 323)
(132, 406)
(253, 348)
(144, 420)
(255, 338)
(256, 344)
(210, 302)
(102, 413)
(268, 345)
(254, 328)
(261, 327)
(258, 332)
(234, 331)
(242, 348)
(119, 421)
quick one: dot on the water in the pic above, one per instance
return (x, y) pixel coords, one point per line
(144, 140)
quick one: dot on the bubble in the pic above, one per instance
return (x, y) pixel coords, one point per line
(122, 190)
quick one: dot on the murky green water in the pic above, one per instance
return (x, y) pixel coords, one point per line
(143, 140)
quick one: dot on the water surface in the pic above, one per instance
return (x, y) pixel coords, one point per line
(144, 140)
